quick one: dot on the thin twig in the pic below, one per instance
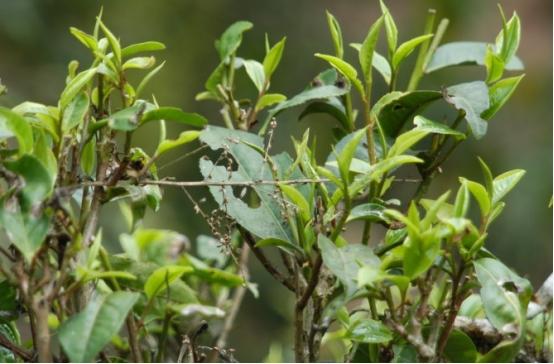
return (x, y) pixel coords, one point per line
(22, 353)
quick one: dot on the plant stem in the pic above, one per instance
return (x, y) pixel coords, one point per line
(163, 338)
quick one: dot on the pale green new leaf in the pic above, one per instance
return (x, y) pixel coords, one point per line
(336, 34)
(255, 71)
(499, 93)
(184, 138)
(504, 183)
(345, 69)
(273, 57)
(75, 112)
(422, 123)
(367, 50)
(268, 100)
(162, 277)
(406, 48)
(15, 125)
(75, 86)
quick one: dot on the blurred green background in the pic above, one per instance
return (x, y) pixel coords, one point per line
(35, 47)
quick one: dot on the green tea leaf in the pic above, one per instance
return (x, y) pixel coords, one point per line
(15, 125)
(345, 262)
(150, 46)
(507, 42)
(268, 100)
(368, 48)
(480, 193)
(75, 112)
(174, 114)
(405, 141)
(336, 34)
(369, 331)
(140, 63)
(114, 43)
(499, 93)
(465, 53)
(85, 334)
(162, 277)
(88, 157)
(230, 39)
(368, 211)
(184, 138)
(378, 62)
(147, 79)
(345, 68)
(394, 109)
(273, 57)
(38, 180)
(406, 48)
(88, 40)
(494, 65)
(75, 86)
(344, 159)
(504, 183)
(460, 348)
(392, 30)
(473, 99)
(430, 126)
(255, 71)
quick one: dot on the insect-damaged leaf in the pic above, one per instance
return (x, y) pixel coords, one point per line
(264, 221)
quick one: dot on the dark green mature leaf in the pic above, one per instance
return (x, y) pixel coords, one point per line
(394, 109)
(15, 125)
(38, 180)
(369, 331)
(505, 295)
(8, 302)
(127, 119)
(264, 221)
(465, 53)
(499, 93)
(162, 277)
(10, 333)
(75, 112)
(26, 232)
(149, 46)
(75, 86)
(459, 348)
(473, 99)
(85, 334)
(345, 262)
(174, 114)
(311, 94)
(231, 38)
(273, 57)
(368, 211)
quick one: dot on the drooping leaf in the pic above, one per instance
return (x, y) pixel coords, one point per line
(230, 39)
(15, 125)
(465, 53)
(174, 114)
(85, 334)
(473, 99)
(311, 94)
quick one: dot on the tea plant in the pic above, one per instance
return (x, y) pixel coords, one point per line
(418, 284)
